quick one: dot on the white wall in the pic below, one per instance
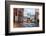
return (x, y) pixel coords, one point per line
(2, 17)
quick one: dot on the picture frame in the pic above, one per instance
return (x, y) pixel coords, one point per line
(24, 6)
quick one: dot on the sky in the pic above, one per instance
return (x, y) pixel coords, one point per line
(31, 11)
